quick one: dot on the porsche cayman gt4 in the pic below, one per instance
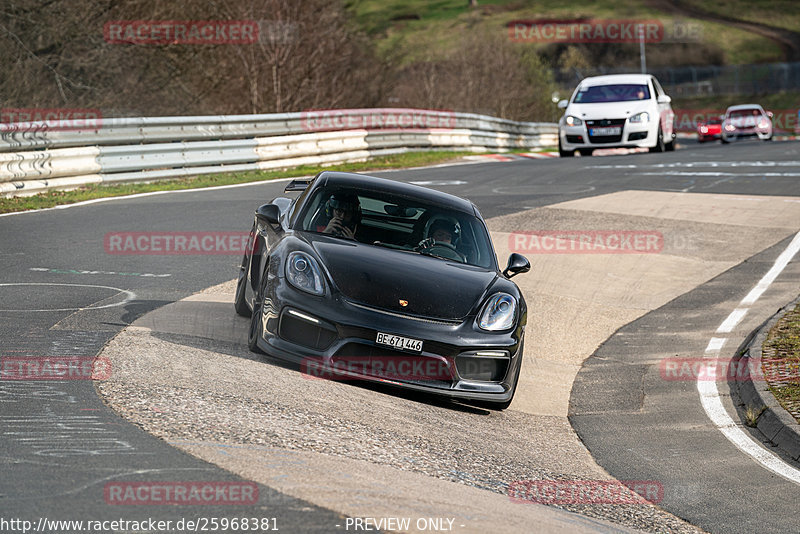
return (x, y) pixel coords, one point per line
(366, 278)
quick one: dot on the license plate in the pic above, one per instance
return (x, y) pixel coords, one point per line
(612, 130)
(397, 342)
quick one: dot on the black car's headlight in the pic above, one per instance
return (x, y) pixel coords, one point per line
(303, 272)
(498, 313)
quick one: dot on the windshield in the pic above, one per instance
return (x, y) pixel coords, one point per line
(744, 113)
(398, 223)
(612, 93)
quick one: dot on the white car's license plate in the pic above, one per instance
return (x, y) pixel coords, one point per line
(397, 342)
(612, 130)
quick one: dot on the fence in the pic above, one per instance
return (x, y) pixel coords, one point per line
(705, 80)
(35, 157)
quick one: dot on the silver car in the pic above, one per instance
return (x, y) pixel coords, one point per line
(746, 120)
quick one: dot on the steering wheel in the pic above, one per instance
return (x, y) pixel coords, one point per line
(446, 250)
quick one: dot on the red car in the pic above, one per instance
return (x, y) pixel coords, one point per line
(709, 130)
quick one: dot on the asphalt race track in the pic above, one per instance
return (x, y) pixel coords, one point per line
(600, 327)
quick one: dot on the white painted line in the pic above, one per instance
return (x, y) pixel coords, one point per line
(231, 186)
(733, 319)
(129, 296)
(709, 394)
(782, 261)
(717, 173)
(716, 344)
(153, 193)
(439, 182)
(84, 271)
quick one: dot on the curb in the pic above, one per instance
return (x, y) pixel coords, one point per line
(780, 428)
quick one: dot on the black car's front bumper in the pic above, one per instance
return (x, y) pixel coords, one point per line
(326, 334)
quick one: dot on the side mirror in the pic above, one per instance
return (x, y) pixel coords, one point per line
(664, 99)
(562, 104)
(268, 214)
(517, 264)
(770, 114)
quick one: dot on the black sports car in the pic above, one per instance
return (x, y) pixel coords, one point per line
(372, 279)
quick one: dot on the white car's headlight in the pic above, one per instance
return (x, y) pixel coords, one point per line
(498, 313)
(573, 121)
(303, 272)
(640, 117)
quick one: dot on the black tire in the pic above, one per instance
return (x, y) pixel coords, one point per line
(660, 147)
(564, 153)
(670, 147)
(240, 298)
(724, 141)
(255, 326)
(239, 301)
(586, 152)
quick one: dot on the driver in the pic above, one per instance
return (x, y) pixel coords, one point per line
(443, 232)
(344, 211)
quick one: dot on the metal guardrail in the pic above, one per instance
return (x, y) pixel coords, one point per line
(34, 157)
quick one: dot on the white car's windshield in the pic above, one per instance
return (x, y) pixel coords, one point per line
(612, 93)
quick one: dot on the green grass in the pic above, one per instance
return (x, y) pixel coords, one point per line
(423, 28)
(779, 13)
(783, 343)
(55, 198)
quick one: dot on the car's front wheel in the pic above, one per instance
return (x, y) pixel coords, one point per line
(586, 151)
(669, 147)
(659, 147)
(240, 299)
(564, 153)
(255, 325)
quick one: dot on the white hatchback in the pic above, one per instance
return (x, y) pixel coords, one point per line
(614, 111)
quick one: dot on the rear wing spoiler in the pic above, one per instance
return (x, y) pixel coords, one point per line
(298, 185)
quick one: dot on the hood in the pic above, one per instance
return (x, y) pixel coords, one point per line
(381, 277)
(608, 110)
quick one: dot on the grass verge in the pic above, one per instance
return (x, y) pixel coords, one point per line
(781, 361)
(55, 198)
